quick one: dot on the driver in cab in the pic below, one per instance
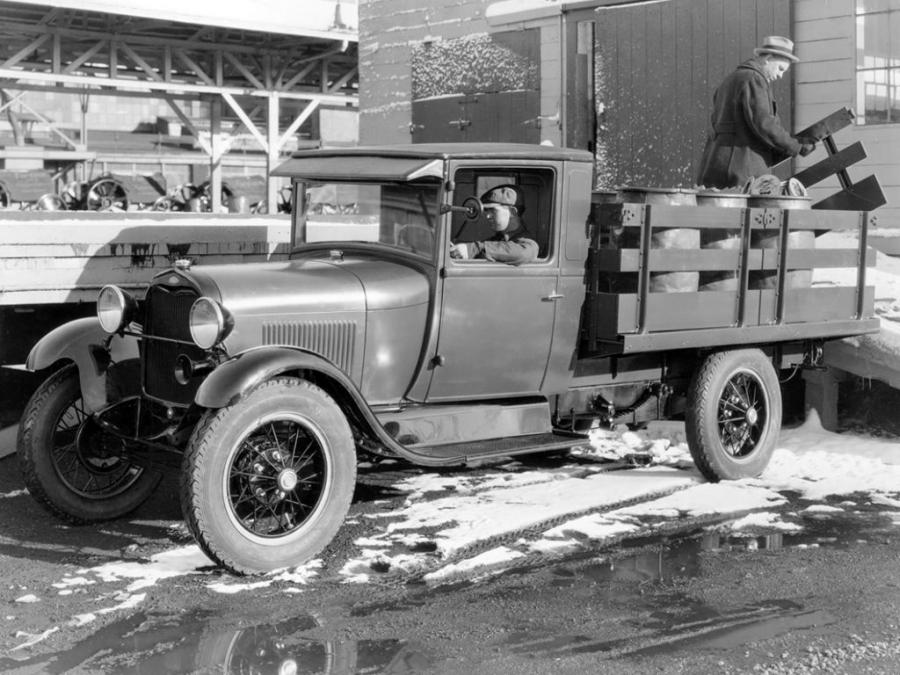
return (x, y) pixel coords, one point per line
(510, 244)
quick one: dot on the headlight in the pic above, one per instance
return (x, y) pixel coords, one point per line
(209, 323)
(115, 308)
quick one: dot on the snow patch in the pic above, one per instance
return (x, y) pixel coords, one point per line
(172, 563)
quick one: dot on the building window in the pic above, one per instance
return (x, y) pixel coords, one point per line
(878, 61)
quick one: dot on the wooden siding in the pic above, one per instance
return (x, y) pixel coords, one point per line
(825, 33)
(660, 65)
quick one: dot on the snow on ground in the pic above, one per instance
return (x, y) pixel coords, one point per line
(444, 538)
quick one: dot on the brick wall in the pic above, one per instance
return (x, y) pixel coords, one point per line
(389, 31)
(392, 30)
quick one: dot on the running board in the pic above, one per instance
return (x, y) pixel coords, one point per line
(465, 453)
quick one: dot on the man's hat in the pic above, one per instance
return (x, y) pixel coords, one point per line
(777, 46)
(506, 195)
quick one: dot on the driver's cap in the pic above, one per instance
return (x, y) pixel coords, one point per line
(504, 195)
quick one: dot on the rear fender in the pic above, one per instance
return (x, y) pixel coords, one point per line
(81, 342)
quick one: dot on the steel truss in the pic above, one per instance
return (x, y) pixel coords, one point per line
(257, 79)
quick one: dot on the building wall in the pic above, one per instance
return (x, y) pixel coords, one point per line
(825, 81)
(390, 31)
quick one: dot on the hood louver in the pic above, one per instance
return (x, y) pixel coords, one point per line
(333, 340)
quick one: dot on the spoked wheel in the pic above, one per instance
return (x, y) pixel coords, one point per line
(734, 414)
(70, 465)
(107, 194)
(275, 649)
(267, 481)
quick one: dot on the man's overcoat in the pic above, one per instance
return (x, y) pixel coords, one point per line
(746, 136)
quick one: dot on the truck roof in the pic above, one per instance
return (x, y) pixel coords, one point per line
(409, 162)
(455, 150)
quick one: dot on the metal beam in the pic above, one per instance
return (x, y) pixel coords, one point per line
(189, 125)
(301, 118)
(141, 63)
(77, 63)
(14, 76)
(245, 118)
(50, 125)
(26, 50)
(243, 70)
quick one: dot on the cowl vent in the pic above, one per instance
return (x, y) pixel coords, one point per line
(332, 339)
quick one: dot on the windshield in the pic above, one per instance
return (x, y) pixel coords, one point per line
(402, 215)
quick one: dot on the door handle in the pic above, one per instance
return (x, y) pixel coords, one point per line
(553, 296)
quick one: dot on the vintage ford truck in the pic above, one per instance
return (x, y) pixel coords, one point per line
(263, 383)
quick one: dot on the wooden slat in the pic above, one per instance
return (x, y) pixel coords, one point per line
(692, 339)
(680, 311)
(816, 219)
(832, 164)
(865, 195)
(834, 122)
(825, 304)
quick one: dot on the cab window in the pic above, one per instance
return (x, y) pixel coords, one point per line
(532, 187)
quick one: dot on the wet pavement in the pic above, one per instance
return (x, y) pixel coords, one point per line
(627, 608)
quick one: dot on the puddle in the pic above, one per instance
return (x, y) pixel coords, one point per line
(190, 643)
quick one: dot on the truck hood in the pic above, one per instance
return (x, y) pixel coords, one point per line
(314, 286)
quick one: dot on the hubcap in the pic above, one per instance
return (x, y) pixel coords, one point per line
(752, 416)
(287, 480)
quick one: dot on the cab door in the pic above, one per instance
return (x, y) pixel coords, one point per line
(496, 319)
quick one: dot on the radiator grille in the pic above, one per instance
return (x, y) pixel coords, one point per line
(167, 312)
(332, 339)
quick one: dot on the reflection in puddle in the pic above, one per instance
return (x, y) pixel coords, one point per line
(189, 643)
(666, 620)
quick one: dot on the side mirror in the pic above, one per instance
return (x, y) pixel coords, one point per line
(471, 206)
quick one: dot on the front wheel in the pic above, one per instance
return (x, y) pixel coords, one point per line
(69, 464)
(267, 481)
(733, 415)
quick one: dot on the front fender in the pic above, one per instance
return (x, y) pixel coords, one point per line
(74, 341)
(234, 378)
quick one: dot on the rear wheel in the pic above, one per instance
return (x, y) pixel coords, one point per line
(69, 464)
(268, 480)
(734, 414)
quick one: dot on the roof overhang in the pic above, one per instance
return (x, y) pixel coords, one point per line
(324, 19)
(519, 11)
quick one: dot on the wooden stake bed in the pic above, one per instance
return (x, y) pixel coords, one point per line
(625, 315)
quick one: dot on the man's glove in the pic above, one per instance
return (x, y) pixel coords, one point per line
(806, 148)
(459, 251)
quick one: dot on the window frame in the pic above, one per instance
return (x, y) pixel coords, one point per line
(890, 70)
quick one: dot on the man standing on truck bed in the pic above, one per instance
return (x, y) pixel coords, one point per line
(503, 206)
(747, 137)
